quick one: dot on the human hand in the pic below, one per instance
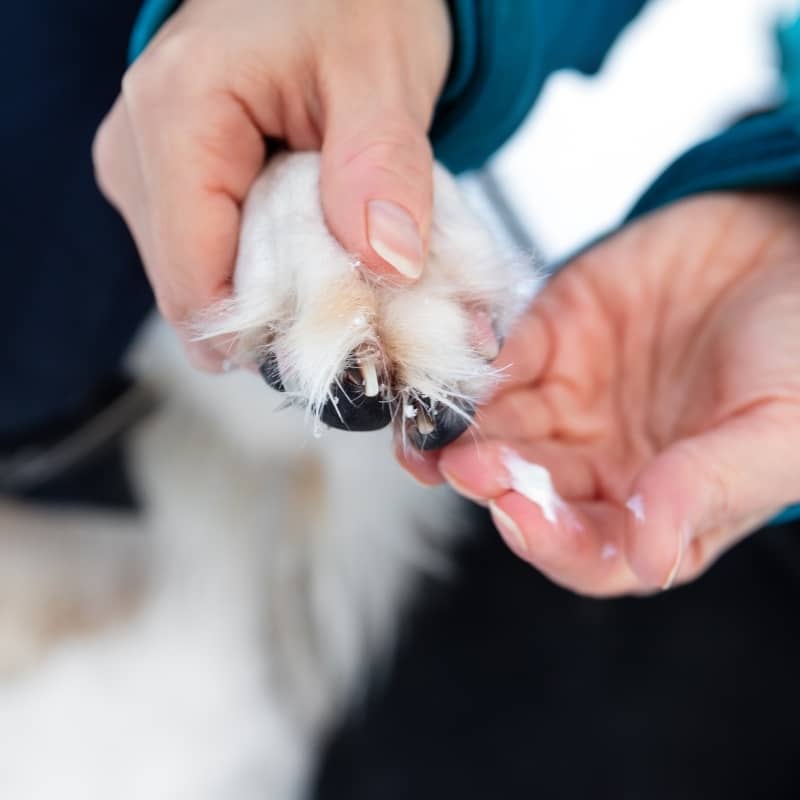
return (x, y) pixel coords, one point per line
(185, 139)
(657, 378)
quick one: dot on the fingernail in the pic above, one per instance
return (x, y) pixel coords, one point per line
(683, 543)
(394, 236)
(508, 528)
(458, 487)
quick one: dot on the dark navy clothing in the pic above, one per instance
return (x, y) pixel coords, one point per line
(507, 687)
(72, 285)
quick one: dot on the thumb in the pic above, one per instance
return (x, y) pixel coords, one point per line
(704, 493)
(376, 185)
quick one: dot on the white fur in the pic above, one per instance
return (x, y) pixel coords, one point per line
(272, 567)
(300, 295)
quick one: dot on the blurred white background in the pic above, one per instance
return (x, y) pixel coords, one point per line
(682, 71)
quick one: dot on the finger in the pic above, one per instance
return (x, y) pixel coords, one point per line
(377, 181)
(119, 177)
(528, 349)
(485, 470)
(536, 500)
(204, 357)
(422, 466)
(216, 355)
(711, 489)
(117, 172)
(521, 413)
(194, 207)
(198, 154)
(515, 409)
(578, 546)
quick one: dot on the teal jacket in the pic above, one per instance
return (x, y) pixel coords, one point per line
(504, 50)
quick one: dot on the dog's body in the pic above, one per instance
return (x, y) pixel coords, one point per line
(202, 652)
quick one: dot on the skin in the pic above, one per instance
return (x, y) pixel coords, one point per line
(184, 140)
(658, 372)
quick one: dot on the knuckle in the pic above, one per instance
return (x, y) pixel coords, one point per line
(385, 167)
(102, 149)
(400, 149)
(138, 82)
(168, 67)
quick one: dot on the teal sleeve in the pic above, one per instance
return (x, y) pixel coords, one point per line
(761, 152)
(503, 51)
(150, 19)
(790, 514)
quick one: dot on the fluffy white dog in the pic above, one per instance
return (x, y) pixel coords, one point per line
(203, 650)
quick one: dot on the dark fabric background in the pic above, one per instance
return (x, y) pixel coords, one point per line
(73, 291)
(507, 686)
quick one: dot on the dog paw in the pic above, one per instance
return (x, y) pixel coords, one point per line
(355, 351)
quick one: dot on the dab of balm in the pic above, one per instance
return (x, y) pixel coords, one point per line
(636, 506)
(534, 482)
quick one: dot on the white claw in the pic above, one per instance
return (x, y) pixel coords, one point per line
(370, 377)
(424, 424)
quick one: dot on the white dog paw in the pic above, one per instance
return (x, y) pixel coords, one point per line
(356, 352)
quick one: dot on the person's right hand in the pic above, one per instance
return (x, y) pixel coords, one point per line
(185, 139)
(657, 379)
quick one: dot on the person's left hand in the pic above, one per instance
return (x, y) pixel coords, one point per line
(184, 142)
(657, 378)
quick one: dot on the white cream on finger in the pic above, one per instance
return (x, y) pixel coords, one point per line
(533, 482)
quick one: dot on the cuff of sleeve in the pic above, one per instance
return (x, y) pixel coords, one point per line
(493, 81)
(759, 153)
(502, 54)
(151, 17)
(787, 515)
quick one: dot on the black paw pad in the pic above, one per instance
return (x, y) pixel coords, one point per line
(431, 426)
(356, 403)
(349, 409)
(271, 373)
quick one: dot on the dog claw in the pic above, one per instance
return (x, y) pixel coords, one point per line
(427, 428)
(350, 408)
(424, 425)
(359, 402)
(370, 377)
